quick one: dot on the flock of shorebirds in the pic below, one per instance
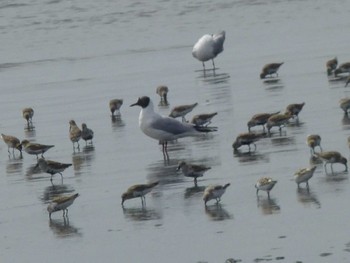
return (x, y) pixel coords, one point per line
(167, 128)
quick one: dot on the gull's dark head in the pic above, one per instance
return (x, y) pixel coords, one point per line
(142, 102)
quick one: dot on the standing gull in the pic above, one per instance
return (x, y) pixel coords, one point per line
(164, 129)
(208, 47)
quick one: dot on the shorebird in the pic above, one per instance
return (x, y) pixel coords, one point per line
(35, 148)
(303, 176)
(331, 157)
(164, 129)
(28, 114)
(214, 192)
(246, 139)
(312, 141)
(12, 142)
(138, 190)
(208, 47)
(61, 203)
(265, 184)
(259, 119)
(74, 133)
(203, 119)
(270, 69)
(52, 167)
(86, 133)
(331, 65)
(345, 104)
(277, 120)
(162, 91)
(114, 106)
(182, 110)
(343, 68)
(192, 170)
(294, 109)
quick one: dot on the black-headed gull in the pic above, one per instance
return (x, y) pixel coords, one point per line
(164, 129)
(208, 47)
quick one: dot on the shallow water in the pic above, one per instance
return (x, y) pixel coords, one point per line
(68, 59)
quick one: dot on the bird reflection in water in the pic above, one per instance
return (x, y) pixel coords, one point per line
(62, 228)
(210, 76)
(56, 190)
(141, 214)
(268, 206)
(30, 133)
(216, 213)
(83, 158)
(307, 197)
(117, 122)
(14, 166)
(273, 84)
(247, 157)
(194, 191)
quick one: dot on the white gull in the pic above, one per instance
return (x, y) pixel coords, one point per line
(208, 47)
(162, 128)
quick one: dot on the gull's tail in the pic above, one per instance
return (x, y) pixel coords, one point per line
(205, 129)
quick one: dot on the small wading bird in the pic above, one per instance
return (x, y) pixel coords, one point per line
(138, 190)
(164, 129)
(331, 65)
(208, 47)
(162, 91)
(345, 104)
(13, 143)
(35, 148)
(28, 114)
(182, 110)
(86, 134)
(343, 68)
(303, 176)
(331, 157)
(277, 120)
(114, 106)
(246, 139)
(294, 109)
(203, 119)
(265, 184)
(270, 69)
(259, 119)
(52, 167)
(214, 192)
(61, 203)
(313, 140)
(192, 170)
(74, 133)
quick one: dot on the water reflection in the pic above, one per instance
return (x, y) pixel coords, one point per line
(165, 174)
(53, 191)
(83, 158)
(268, 206)
(273, 84)
(346, 121)
(163, 104)
(211, 76)
(141, 214)
(32, 171)
(14, 166)
(215, 212)
(117, 122)
(283, 141)
(307, 197)
(195, 190)
(248, 157)
(63, 228)
(29, 133)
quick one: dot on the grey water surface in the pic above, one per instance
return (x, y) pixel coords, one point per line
(67, 59)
